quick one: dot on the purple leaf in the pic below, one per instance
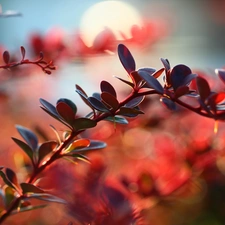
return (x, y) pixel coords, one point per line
(168, 103)
(25, 147)
(135, 102)
(126, 58)
(28, 136)
(11, 176)
(178, 75)
(107, 87)
(221, 73)
(151, 81)
(125, 81)
(166, 64)
(98, 105)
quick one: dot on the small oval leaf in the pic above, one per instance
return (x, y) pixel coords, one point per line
(83, 124)
(30, 188)
(66, 112)
(168, 103)
(30, 138)
(203, 88)
(96, 104)
(151, 81)
(126, 58)
(45, 149)
(25, 147)
(110, 100)
(107, 87)
(6, 57)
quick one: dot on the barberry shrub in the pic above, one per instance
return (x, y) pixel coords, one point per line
(112, 206)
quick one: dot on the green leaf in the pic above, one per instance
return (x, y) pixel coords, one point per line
(30, 188)
(117, 119)
(83, 124)
(25, 147)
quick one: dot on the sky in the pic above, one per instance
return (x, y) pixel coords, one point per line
(193, 29)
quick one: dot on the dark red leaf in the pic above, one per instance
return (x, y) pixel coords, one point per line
(203, 88)
(126, 58)
(182, 90)
(69, 103)
(30, 188)
(158, 73)
(65, 112)
(6, 57)
(107, 87)
(45, 149)
(23, 52)
(110, 100)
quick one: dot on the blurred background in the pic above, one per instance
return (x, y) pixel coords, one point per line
(81, 38)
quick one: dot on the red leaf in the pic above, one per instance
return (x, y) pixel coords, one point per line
(203, 88)
(107, 87)
(66, 112)
(110, 100)
(6, 57)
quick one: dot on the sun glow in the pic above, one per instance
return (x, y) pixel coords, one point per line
(117, 16)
